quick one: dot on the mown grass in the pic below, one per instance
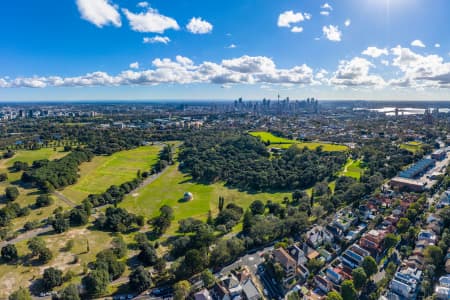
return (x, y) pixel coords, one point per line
(352, 169)
(170, 188)
(412, 147)
(284, 143)
(99, 174)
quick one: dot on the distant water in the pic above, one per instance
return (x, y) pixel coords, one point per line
(406, 111)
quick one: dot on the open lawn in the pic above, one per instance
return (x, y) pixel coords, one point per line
(412, 146)
(352, 169)
(170, 187)
(284, 143)
(99, 174)
(29, 156)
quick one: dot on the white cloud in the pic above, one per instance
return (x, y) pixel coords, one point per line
(332, 33)
(420, 71)
(418, 43)
(307, 16)
(325, 13)
(297, 29)
(143, 4)
(156, 39)
(99, 12)
(134, 65)
(437, 45)
(199, 26)
(385, 62)
(327, 6)
(182, 70)
(375, 52)
(231, 46)
(287, 18)
(150, 21)
(347, 23)
(356, 72)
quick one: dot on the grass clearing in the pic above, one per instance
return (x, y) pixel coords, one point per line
(284, 143)
(412, 147)
(170, 187)
(99, 174)
(352, 169)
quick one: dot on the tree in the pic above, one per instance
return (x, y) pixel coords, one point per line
(257, 207)
(140, 279)
(70, 293)
(20, 294)
(433, 255)
(314, 265)
(60, 224)
(9, 253)
(96, 282)
(194, 262)
(359, 278)
(45, 255)
(403, 225)
(182, 290)
(390, 241)
(348, 290)
(370, 266)
(147, 255)
(36, 245)
(221, 202)
(52, 278)
(334, 296)
(11, 193)
(208, 278)
(44, 200)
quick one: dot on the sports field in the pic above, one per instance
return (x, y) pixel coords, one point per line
(99, 174)
(170, 188)
(284, 143)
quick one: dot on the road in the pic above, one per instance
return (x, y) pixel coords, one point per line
(64, 199)
(28, 235)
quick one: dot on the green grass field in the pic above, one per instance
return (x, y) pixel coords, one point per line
(284, 143)
(29, 156)
(170, 187)
(99, 174)
(352, 169)
(412, 146)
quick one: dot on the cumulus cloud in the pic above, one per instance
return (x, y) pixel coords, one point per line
(231, 46)
(156, 39)
(134, 65)
(375, 52)
(99, 12)
(347, 23)
(150, 21)
(332, 33)
(297, 29)
(325, 13)
(288, 18)
(420, 71)
(437, 45)
(199, 26)
(327, 6)
(418, 43)
(356, 72)
(143, 4)
(182, 70)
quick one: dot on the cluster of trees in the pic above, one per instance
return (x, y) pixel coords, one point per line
(38, 249)
(165, 159)
(105, 269)
(117, 220)
(162, 222)
(50, 175)
(243, 161)
(114, 194)
(11, 211)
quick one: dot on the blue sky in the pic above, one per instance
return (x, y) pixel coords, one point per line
(173, 49)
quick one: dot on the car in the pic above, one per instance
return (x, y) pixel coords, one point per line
(265, 292)
(130, 297)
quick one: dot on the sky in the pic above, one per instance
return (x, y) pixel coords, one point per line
(192, 49)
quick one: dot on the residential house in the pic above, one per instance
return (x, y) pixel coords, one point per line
(249, 290)
(318, 236)
(203, 295)
(289, 265)
(323, 284)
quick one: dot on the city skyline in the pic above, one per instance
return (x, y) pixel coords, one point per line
(132, 50)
